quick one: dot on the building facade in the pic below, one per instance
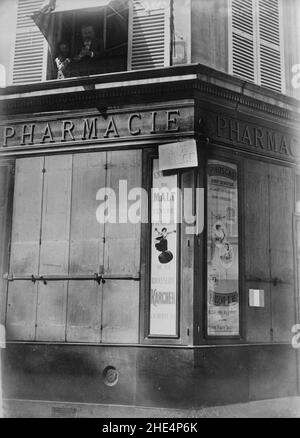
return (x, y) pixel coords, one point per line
(189, 117)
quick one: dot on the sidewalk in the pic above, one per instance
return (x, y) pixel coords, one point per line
(275, 408)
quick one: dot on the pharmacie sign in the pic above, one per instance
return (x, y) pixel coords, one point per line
(92, 128)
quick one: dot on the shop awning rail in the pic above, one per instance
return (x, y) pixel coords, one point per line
(99, 278)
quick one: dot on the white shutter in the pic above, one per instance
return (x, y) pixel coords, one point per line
(269, 44)
(256, 42)
(243, 41)
(30, 46)
(149, 34)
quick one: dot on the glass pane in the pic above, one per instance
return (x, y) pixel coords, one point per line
(164, 294)
(222, 250)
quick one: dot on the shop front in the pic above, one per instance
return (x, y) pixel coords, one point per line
(148, 248)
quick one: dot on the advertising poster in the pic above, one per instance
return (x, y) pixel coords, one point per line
(222, 250)
(163, 307)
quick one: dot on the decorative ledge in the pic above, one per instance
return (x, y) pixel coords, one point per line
(185, 82)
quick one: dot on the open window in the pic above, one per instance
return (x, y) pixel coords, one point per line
(129, 35)
(122, 34)
(85, 38)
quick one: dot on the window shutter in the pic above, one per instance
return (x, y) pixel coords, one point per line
(256, 45)
(30, 45)
(243, 46)
(149, 34)
(269, 45)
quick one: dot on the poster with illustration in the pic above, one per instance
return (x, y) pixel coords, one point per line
(222, 250)
(163, 303)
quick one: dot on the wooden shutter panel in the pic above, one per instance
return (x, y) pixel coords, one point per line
(269, 44)
(6, 197)
(86, 248)
(243, 46)
(25, 248)
(257, 245)
(54, 248)
(149, 34)
(281, 255)
(122, 256)
(30, 45)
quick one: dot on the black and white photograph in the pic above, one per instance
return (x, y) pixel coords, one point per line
(149, 212)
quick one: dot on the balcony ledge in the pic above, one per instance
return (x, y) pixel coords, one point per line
(54, 94)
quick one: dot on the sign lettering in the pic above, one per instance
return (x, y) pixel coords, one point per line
(84, 129)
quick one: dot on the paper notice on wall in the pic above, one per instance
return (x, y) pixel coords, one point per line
(163, 300)
(222, 250)
(178, 155)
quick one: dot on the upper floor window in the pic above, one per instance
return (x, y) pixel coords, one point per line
(256, 42)
(88, 41)
(69, 38)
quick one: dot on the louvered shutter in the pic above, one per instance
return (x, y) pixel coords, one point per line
(243, 39)
(256, 46)
(30, 46)
(269, 44)
(149, 34)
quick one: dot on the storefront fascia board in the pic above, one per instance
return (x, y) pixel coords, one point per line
(146, 125)
(208, 112)
(267, 137)
(137, 126)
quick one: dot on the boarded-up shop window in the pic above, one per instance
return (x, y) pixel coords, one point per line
(222, 250)
(164, 255)
(56, 235)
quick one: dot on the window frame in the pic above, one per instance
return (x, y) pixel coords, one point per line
(49, 67)
(182, 338)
